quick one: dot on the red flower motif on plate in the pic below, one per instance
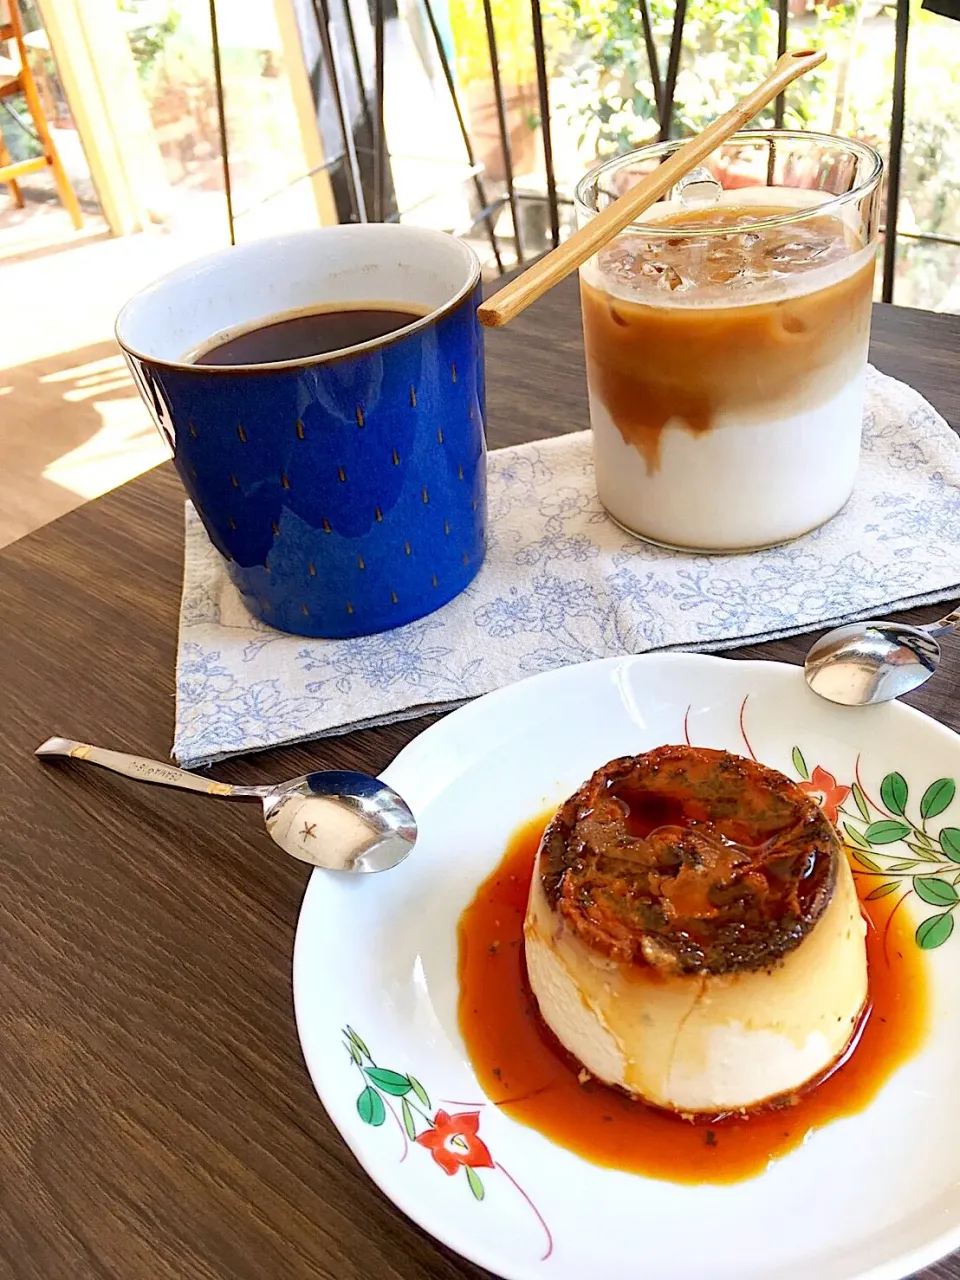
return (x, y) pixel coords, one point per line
(454, 1142)
(823, 788)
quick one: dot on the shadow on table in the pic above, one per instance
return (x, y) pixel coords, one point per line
(72, 427)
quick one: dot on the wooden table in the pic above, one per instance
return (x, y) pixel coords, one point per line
(156, 1119)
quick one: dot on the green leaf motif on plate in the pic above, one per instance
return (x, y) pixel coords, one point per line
(391, 1082)
(354, 1053)
(935, 931)
(419, 1090)
(800, 764)
(950, 843)
(902, 866)
(882, 890)
(476, 1186)
(893, 793)
(371, 1108)
(855, 837)
(939, 893)
(923, 851)
(937, 797)
(865, 861)
(355, 1040)
(408, 1122)
(887, 831)
(860, 800)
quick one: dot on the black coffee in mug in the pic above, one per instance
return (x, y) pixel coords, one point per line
(300, 335)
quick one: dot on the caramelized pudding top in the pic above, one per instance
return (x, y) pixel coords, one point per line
(527, 1074)
(688, 860)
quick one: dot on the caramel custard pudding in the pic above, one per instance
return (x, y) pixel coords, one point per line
(726, 371)
(693, 934)
(524, 1070)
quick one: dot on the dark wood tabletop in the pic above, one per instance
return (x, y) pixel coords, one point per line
(156, 1118)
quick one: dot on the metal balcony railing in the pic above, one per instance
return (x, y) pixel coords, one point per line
(364, 171)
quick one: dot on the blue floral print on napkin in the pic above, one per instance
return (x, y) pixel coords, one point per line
(563, 584)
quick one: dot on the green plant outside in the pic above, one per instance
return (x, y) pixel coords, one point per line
(604, 91)
(147, 43)
(599, 51)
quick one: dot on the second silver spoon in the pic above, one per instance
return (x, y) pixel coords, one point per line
(339, 820)
(868, 662)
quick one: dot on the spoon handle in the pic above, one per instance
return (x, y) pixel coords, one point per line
(146, 770)
(944, 625)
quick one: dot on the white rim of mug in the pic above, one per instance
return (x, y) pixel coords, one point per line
(861, 149)
(328, 357)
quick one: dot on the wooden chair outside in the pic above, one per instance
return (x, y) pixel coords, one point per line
(18, 78)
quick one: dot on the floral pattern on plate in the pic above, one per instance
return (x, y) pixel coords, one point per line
(883, 842)
(452, 1139)
(383, 955)
(886, 844)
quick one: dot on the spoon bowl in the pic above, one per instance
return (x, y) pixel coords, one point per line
(335, 819)
(340, 820)
(868, 662)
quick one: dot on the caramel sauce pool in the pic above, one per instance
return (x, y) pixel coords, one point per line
(523, 1069)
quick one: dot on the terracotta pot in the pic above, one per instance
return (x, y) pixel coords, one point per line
(835, 178)
(520, 104)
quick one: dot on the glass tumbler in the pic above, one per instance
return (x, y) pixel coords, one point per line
(726, 339)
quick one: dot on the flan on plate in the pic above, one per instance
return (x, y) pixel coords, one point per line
(693, 934)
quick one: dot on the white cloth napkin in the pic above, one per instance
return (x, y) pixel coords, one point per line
(563, 584)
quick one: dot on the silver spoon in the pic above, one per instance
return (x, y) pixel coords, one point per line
(867, 662)
(337, 820)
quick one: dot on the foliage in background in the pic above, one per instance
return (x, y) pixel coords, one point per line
(605, 93)
(598, 47)
(147, 41)
(930, 176)
(16, 127)
(512, 23)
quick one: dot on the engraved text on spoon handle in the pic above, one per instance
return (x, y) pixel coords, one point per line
(950, 623)
(146, 770)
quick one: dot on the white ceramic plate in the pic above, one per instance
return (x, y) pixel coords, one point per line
(875, 1194)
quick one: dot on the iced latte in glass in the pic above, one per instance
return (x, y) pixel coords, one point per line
(726, 340)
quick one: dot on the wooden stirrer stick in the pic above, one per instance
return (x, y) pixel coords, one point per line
(560, 262)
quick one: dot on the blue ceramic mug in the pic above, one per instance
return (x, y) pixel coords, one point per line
(346, 492)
